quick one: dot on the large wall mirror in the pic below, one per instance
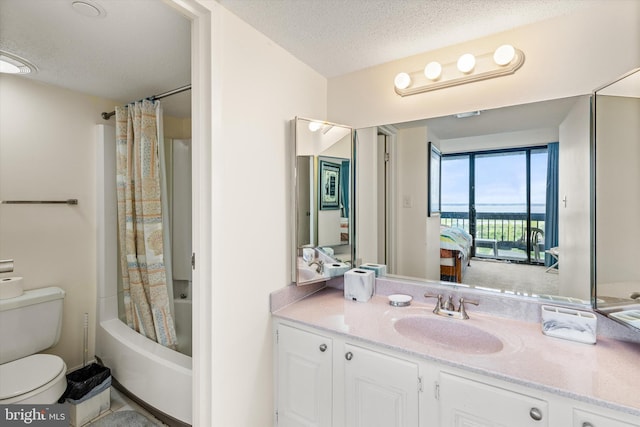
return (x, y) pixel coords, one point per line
(616, 138)
(514, 202)
(324, 197)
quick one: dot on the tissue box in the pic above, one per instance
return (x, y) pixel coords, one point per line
(359, 284)
(569, 324)
(379, 269)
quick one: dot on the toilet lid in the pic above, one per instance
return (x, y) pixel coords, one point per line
(24, 375)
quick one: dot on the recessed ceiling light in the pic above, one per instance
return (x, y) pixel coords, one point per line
(467, 114)
(13, 64)
(88, 8)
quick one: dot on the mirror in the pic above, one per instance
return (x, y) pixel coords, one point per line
(514, 195)
(616, 144)
(324, 197)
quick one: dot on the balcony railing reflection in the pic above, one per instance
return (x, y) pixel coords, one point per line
(508, 229)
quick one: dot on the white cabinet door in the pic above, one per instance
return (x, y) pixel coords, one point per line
(468, 403)
(304, 378)
(380, 390)
(589, 419)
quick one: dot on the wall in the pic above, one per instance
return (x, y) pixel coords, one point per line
(574, 217)
(565, 56)
(618, 175)
(257, 89)
(47, 152)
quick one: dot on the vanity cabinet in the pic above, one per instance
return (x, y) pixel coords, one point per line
(464, 402)
(304, 383)
(325, 379)
(380, 390)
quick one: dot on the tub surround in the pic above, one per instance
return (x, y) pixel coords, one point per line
(604, 374)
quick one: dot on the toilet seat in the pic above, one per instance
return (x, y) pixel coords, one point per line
(39, 378)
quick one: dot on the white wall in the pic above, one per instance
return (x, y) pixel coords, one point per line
(574, 237)
(366, 196)
(565, 56)
(47, 151)
(617, 184)
(257, 89)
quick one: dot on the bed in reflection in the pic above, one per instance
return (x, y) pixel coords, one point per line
(455, 253)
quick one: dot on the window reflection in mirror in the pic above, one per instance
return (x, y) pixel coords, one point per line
(324, 196)
(617, 198)
(497, 171)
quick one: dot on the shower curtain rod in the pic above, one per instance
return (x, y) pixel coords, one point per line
(107, 116)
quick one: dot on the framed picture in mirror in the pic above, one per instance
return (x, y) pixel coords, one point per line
(329, 185)
(433, 199)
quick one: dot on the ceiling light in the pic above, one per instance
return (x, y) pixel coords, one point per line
(467, 114)
(13, 64)
(466, 63)
(88, 8)
(504, 54)
(503, 61)
(402, 81)
(433, 70)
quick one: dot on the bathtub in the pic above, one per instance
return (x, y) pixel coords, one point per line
(158, 376)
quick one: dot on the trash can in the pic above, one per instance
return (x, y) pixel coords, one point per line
(88, 393)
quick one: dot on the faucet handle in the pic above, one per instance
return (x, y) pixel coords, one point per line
(462, 310)
(438, 306)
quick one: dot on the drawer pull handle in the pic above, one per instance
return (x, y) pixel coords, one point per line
(348, 356)
(536, 414)
(323, 347)
(587, 424)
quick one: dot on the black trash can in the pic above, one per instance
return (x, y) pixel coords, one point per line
(88, 393)
(82, 381)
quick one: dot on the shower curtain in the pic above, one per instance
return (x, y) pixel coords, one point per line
(141, 235)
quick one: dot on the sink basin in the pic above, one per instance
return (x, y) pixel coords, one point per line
(450, 334)
(306, 274)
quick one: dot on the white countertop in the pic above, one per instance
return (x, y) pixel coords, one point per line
(606, 373)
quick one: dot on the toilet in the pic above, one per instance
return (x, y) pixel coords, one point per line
(31, 323)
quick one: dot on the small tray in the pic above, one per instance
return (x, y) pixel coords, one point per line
(569, 324)
(400, 300)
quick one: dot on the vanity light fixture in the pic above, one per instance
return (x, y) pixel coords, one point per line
(13, 64)
(505, 60)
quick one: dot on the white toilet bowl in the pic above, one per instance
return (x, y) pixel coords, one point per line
(35, 379)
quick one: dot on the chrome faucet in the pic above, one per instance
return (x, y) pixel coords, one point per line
(320, 264)
(447, 308)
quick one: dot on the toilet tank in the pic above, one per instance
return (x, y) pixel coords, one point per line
(30, 323)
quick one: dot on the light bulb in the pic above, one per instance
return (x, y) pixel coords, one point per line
(504, 54)
(7, 67)
(314, 126)
(466, 63)
(433, 70)
(402, 81)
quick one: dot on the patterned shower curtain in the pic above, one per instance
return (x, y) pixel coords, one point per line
(140, 223)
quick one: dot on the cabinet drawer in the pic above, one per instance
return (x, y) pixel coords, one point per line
(588, 419)
(465, 402)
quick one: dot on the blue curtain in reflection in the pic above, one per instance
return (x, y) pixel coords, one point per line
(551, 218)
(344, 188)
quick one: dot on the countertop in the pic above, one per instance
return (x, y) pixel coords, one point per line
(604, 374)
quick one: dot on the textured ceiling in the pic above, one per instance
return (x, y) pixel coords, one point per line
(336, 37)
(141, 48)
(137, 49)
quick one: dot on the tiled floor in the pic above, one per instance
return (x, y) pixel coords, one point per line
(120, 402)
